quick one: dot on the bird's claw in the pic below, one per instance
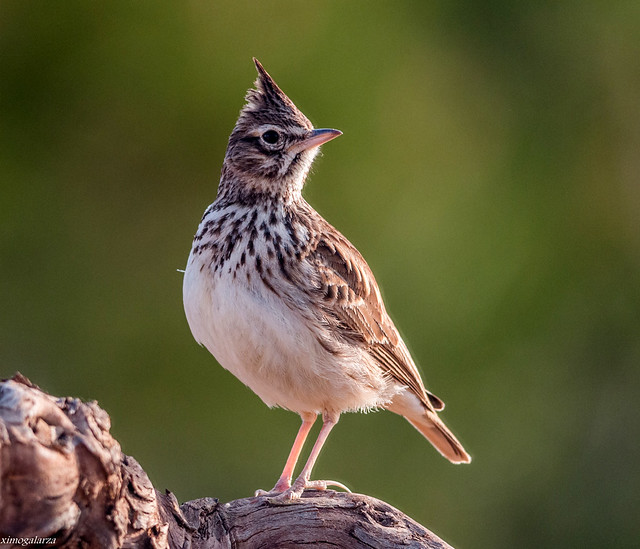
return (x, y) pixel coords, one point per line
(324, 484)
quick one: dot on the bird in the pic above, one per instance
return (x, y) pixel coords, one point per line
(286, 303)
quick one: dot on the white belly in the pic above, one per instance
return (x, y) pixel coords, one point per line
(270, 347)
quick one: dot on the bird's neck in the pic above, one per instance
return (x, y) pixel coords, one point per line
(237, 187)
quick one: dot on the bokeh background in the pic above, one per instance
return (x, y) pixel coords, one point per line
(489, 171)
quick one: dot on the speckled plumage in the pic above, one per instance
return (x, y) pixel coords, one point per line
(284, 301)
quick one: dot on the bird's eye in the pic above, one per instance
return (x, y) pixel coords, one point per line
(271, 137)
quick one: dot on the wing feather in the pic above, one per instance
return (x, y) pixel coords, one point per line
(352, 298)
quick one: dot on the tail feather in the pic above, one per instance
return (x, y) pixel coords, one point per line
(437, 433)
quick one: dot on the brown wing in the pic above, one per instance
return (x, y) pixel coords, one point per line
(351, 296)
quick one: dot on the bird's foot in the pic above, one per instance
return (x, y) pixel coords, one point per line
(281, 486)
(295, 491)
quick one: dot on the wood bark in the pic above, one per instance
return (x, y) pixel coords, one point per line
(64, 482)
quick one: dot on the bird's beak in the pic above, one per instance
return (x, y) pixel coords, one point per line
(315, 138)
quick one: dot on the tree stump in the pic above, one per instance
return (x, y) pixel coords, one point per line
(64, 482)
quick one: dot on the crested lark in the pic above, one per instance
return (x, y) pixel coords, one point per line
(285, 302)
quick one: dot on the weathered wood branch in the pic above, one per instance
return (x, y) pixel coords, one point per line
(65, 481)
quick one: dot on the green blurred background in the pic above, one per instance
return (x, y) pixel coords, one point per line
(489, 172)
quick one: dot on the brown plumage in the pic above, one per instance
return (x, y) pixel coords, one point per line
(285, 302)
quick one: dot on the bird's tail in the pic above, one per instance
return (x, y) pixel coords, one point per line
(437, 433)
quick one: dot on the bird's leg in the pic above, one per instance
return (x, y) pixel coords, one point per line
(284, 482)
(295, 491)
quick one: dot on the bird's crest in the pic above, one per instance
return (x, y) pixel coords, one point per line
(267, 96)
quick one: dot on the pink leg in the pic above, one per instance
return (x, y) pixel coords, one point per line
(302, 482)
(284, 482)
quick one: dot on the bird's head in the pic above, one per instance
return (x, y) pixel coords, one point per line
(273, 144)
